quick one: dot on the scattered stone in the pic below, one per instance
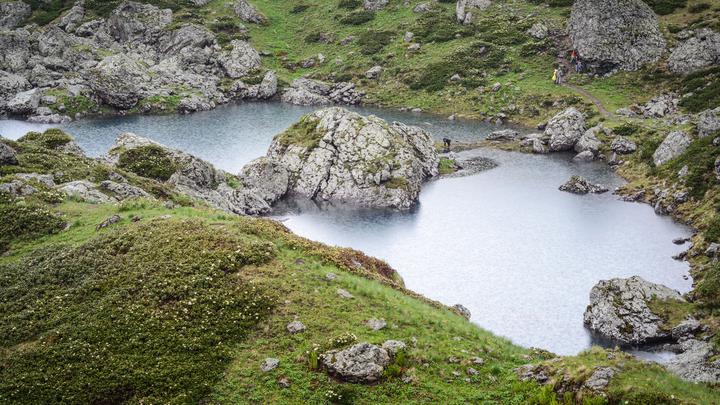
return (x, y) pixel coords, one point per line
(686, 329)
(414, 47)
(623, 146)
(295, 327)
(496, 87)
(465, 8)
(408, 36)
(579, 185)
(712, 250)
(619, 310)
(330, 277)
(374, 5)
(477, 360)
(362, 363)
(8, 156)
(344, 294)
(472, 371)
(681, 241)
(110, 221)
(247, 12)
(673, 146)
(269, 364)
(376, 324)
(598, 30)
(393, 347)
(463, 311)
(124, 191)
(694, 362)
(46, 180)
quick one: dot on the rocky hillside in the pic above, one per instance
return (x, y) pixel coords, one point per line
(120, 285)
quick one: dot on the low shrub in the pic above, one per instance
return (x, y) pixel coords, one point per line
(51, 139)
(300, 8)
(358, 17)
(705, 89)
(149, 161)
(19, 222)
(373, 41)
(349, 4)
(626, 129)
(665, 7)
(700, 159)
(437, 26)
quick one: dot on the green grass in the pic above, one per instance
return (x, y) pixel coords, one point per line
(151, 161)
(303, 133)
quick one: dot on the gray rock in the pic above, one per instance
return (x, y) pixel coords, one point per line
(307, 92)
(266, 89)
(393, 347)
(708, 122)
(423, 7)
(352, 159)
(49, 119)
(247, 12)
(13, 14)
(589, 142)
(10, 85)
(24, 102)
(361, 363)
(73, 17)
(619, 310)
(118, 80)
(565, 130)
(465, 8)
(579, 185)
(673, 146)
(504, 135)
(17, 188)
(538, 146)
(615, 34)
(295, 327)
(600, 379)
(240, 60)
(344, 294)
(408, 37)
(374, 5)
(123, 191)
(269, 364)
(623, 146)
(660, 106)
(195, 103)
(586, 156)
(267, 179)
(138, 22)
(374, 72)
(463, 311)
(8, 156)
(108, 222)
(694, 363)
(376, 324)
(699, 51)
(717, 168)
(712, 250)
(538, 31)
(85, 191)
(44, 179)
(686, 328)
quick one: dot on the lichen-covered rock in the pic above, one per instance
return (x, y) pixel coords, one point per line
(265, 89)
(660, 106)
(538, 31)
(86, 191)
(362, 363)
(619, 310)
(24, 102)
(315, 92)
(10, 85)
(623, 146)
(123, 191)
(73, 17)
(708, 122)
(699, 50)
(334, 155)
(118, 80)
(8, 156)
(268, 179)
(240, 60)
(673, 146)
(465, 8)
(463, 311)
(503, 135)
(580, 185)
(565, 129)
(13, 13)
(247, 12)
(615, 34)
(138, 22)
(695, 362)
(375, 5)
(589, 142)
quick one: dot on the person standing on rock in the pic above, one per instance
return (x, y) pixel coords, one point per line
(446, 143)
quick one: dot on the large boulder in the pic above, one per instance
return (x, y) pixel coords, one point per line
(315, 92)
(699, 50)
(619, 311)
(15, 50)
(138, 22)
(118, 80)
(73, 17)
(696, 363)
(85, 191)
(673, 146)
(580, 185)
(623, 146)
(8, 156)
(24, 103)
(615, 34)
(334, 155)
(565, 130)
(361, 363)
(193, 177)
(465, 8)
(240, 60)
(708, 122)
(375, 5)
(589, 142)
(13, 13)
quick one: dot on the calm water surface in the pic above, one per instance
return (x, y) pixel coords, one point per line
(521, 255)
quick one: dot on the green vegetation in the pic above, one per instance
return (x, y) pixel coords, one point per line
(19, 222)
(447, 166)
(664, 7)
(50, 139)
(396, 182)
(705, 89)
(151, 161)
(302, 133)
(700, 159)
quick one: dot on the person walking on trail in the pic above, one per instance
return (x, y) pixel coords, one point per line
(573, 57)
(556, 76)
(578, 66)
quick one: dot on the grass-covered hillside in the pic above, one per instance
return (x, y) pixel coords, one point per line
(171, 303)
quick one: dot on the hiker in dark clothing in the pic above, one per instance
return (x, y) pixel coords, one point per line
(573, 57)
(446, 143)
(578, 66)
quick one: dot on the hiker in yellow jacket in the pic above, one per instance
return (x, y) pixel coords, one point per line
(556, 76)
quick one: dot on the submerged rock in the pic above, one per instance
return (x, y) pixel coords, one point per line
(619, 311)
(615, 34)
(579, 185)
(361, 363)
(334, 155)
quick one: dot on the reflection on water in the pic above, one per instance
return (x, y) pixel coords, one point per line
(521, 255)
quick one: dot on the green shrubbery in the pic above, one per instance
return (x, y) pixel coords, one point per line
(705, 89)
(145, 315)
(151, 161)
(664, 7)
(700, 159)
(373, 41)
(18, 222)
(358, 17)
(626, 129)
(51, 139)
(438, 26)
(302, 133)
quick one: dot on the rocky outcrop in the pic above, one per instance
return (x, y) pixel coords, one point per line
(565, 130)
(697, 50)
(673, 146)
(138, 22)
(13, 13)
(538, 31)
(464, 9)
(589, 142)
(580, 185)
(118, 81)
(85, 191)
(623, 146)
(8, 156)
(615, 34)
(362, 363)
(708, 122)
(334, 155)
(240, 60)
(619, 311)
(316, 92)
(247, 12)
(375, 5)
(695, 362)
(195, 178)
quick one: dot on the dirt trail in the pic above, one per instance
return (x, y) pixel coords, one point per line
(569, 69)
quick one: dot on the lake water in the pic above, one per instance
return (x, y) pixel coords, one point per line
(521, 255)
